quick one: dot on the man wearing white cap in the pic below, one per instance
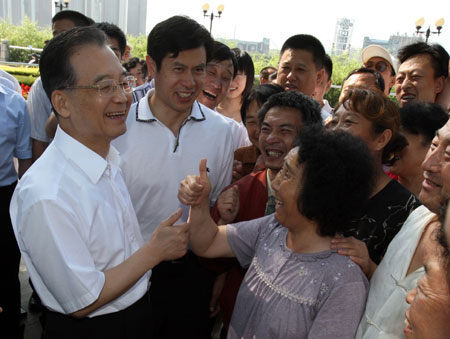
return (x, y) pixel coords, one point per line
(377, 58)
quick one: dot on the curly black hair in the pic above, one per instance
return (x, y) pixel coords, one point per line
(337, 180)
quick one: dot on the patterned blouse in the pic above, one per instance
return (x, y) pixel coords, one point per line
(383, 218)
(292, 295)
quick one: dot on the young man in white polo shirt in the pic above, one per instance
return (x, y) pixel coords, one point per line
(71, 212)
(168, 133)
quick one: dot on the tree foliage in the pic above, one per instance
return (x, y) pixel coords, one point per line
(138, 45)
(26, 34)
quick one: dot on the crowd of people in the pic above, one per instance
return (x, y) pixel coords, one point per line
(170, 197)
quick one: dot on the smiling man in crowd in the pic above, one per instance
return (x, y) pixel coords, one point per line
(168, 133)
(422, 72)
(71, 212)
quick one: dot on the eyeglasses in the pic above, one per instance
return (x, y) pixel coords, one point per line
(380, 66)
(108, 87)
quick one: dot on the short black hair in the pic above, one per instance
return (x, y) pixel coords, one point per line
(309, 108)
(337, 178)
(379, 81)
(113, 31)
(245, 65)
(260, 94)
(54, 65)
(131, 63)
(79, 19)
(177, 34)
(222, 52)
(328, 66)
(438, 54)
(308, 43)
(423, 118)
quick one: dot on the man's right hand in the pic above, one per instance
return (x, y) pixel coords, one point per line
(228, 205)
(169, 241)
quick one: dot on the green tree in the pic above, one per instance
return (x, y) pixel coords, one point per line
(138, 45)
(26, 34)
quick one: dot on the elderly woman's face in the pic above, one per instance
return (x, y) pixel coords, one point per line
(429, 311)
(355, 124)
(286, 186)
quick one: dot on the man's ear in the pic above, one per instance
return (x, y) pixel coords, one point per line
(328, 86)
(61, 103)
(439, 84)
(151, 66)
(320, 76)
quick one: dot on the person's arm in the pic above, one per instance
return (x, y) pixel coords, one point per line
(357, 251)
(51, 125)
(206, 238)
(38, 147)
(167, 242)
(24, 165)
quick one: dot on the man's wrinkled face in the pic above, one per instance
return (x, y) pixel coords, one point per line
(219, 75)
(416, 81)
(429, 311)
(430, 194)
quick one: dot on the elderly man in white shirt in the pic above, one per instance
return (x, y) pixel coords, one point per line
(72, 214)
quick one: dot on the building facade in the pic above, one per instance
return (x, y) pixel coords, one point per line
(342, 36)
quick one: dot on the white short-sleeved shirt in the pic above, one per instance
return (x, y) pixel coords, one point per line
(40, 109)
(73, 220)
(154, 161)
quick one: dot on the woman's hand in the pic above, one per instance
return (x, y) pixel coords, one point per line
(357, 251)
(195, 189)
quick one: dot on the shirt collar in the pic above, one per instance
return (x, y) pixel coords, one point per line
(92, 164)
(144, 114)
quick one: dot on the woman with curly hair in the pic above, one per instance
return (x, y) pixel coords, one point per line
(374, 118)
(295, 287)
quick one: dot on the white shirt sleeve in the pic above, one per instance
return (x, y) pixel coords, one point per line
(49, 238)
(40, 109)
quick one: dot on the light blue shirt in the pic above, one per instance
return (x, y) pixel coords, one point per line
(14, 133)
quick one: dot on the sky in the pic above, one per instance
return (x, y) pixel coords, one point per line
(252, 20)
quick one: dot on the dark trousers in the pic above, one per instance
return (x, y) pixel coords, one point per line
(180, 293)
(9, 267)
(130, 323)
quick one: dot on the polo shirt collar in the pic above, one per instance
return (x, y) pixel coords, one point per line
(92, 164)
(144, 114)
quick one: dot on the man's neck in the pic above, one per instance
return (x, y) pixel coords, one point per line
(169, 117)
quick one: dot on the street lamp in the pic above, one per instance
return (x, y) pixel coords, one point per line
(205, 8)
(61, 4)
(428, 32)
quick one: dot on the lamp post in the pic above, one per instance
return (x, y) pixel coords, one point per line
(428, 32)
(205, 9)
(61, 4)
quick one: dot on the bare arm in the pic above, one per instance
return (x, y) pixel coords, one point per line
(206, 238)
(167, 242)
(38, 147)
(24, 165)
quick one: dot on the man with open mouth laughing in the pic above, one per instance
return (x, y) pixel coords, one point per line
(422, 73)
